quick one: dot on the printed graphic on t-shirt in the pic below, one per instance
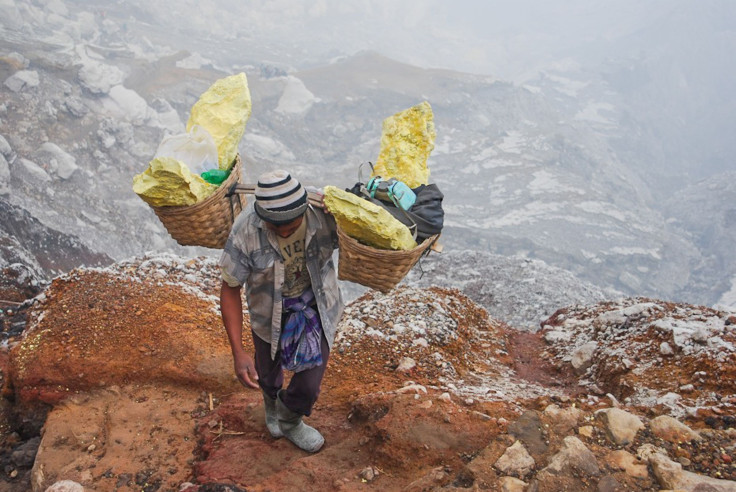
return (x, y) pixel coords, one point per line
(296, 277)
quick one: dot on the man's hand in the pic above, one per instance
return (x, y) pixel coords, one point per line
(231, 308)
(245, 371)
(316, 198)
(324, 205)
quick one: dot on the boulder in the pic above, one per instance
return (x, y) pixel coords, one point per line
(64, 163)
(515, 461)
(582, 357)
(573, 458)
(99, 78)
(672, 430)
(623, 460)
(670, 474)
(621, 426)
(4, 176)
(31, 172)
(511, 484)
(65, 486)
(6, 150)
(563, 419)
(22, 79)
(528, 430)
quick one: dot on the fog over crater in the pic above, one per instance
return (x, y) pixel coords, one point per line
(593, 136)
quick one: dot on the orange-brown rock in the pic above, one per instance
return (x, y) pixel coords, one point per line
(96, 329)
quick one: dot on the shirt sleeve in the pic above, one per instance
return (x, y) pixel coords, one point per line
(229, 279)
(328, 221)
(234, 265)
(331, 224)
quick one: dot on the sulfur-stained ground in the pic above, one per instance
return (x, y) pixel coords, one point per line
(129, 373)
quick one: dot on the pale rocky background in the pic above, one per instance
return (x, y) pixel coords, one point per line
(614, 162)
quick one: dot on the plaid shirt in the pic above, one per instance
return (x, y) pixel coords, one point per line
(252, 257)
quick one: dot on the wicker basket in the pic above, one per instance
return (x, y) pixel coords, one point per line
(379, 269)
(208, 222)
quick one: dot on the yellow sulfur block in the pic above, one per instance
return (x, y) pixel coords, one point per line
(223, 110)
(367, 222)
(406, 142)
(168, 182)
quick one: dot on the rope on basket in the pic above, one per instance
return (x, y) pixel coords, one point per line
(425, 253)
(314, 199)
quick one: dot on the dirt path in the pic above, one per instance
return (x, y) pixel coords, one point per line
(525, 349)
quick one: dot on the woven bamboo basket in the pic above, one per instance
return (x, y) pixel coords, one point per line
(379, 269)
(208, 222)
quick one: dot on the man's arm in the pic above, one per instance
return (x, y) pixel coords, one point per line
(231, 308)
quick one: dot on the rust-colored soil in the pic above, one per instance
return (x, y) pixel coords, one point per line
(424, 391)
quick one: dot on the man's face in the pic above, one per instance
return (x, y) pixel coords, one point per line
(286, 230)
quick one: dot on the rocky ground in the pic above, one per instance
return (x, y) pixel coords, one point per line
(122, 380)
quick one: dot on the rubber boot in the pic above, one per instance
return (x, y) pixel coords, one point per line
(303, 436)
(272, 420)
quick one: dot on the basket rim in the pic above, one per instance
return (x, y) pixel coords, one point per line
(221, 191)
(390, 252)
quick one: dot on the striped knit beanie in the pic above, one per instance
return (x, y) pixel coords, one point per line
(279, 197)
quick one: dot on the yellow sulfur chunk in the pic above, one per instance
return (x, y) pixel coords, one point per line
(367, 222)
(407, 140)
(168, 182)
(224, 110)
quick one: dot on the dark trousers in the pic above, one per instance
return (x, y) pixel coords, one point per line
(303, 389)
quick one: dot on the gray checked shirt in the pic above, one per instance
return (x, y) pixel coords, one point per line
(252, 257)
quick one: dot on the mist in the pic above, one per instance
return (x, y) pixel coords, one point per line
(596, 136)
(670, 62)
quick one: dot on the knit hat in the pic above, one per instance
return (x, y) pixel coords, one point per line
(279, 197)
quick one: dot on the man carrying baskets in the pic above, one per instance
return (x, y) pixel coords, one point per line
(280, 248)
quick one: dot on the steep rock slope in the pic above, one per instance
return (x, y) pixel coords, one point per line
(713, 198)
(425, 391)
(538, 169)
(520, 291)
(31, 254)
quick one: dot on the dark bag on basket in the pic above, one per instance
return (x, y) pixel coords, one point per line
(426, 216)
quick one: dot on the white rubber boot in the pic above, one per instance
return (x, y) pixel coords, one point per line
(303, 436)
(272, 420)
